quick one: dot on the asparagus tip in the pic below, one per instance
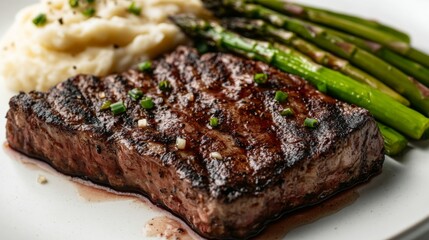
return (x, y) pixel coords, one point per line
(188, 23)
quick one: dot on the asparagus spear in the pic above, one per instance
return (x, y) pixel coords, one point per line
(334, 21)
(264, 30)
(418, 56)
(369, 23)
(413, 69)
(391, 76)
(392, 41)
(383, 107)
(394, 142)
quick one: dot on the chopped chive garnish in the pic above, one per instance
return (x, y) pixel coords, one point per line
(202, 47)
(74, 3)
(134, 9)
(147, 103)
(135, 94)
(260, 78)
(40, 20)
(311, 122)
(214, 121)
(287, 112)
(145, 66)
(105, 105)
(118, 108)
(164, 86)
(89, 12)
(281, 96)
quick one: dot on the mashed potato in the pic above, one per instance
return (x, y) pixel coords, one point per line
(112, 40)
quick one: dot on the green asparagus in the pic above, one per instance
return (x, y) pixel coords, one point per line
(362, 21)
(334, 21)
(392, 41)
(385, 72)
(418, 56)
(413, 69)
(383, 107)
(394, 142)
(264, 30)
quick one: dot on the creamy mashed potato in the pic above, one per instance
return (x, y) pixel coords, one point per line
(112, 40)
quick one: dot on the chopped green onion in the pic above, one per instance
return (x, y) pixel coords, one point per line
(74, 3)
(135, 94)
(145, 66)
(106, 105)
(118, 108)
(214, 122)
(40, 20)
(260, 78)
(89, 12)
(164, 86)
(202, 47)
(287, 112)
(311, 122)
(90, 1)
(281, 96)
(147, 103)
(134, 9)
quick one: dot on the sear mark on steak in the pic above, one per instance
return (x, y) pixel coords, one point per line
(269, 165)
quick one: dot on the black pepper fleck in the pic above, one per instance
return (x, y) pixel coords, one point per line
(115, 46)
(98, 149)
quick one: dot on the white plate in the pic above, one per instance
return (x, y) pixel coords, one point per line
(393, 205)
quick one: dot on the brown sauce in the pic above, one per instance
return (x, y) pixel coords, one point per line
(167, 228)
(27, 161)
(94, 193)
(280, 228)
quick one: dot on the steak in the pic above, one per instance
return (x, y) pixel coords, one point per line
(228, 180)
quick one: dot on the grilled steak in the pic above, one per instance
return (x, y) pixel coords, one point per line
(230, 179)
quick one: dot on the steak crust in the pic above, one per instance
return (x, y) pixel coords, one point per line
(270, 164)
